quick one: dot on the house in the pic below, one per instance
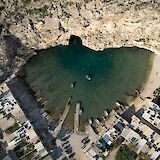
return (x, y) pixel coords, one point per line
(130, 135)
(18, 130)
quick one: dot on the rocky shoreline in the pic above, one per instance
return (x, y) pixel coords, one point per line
(28, 25)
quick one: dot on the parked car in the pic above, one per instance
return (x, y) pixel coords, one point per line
(87, 141)
(69, 150)
(84, 139)
(65, 148)
(65, 143)
(65, 138)
(72, 155)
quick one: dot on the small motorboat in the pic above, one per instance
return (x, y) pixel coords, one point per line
(72, 85)
(88, 77)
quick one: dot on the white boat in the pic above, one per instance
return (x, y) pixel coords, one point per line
(105, 113)
(71, 85)
(80, 112)
(90, 121)
(88, 77)
(118, 104)
(97, 121)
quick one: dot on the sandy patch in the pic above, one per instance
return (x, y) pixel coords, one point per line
(153, 81)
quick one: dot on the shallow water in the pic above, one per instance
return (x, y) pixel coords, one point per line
(114, 72)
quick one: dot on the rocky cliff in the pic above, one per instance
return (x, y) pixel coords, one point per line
(27, 25)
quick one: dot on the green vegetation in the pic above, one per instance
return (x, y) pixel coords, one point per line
(10, 116)
(24, 150)
(116, 144)
(2, 8)
(2, 150)
(12, 128)
(42, 12)
(1, 133)
(22, 143)
(124, 153)
(25, 2)
(28, 148)
(143, 156)
(28, 156)
(142, 5)
(81, 126)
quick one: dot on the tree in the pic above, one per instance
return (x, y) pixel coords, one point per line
(143, 156)
(124, 153)
(1, 133)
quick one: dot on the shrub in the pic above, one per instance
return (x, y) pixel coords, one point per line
(12, 128)
(124, 153)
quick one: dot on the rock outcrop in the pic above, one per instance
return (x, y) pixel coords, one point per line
(12, 55)
(99, 23)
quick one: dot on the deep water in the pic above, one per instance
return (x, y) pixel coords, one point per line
(114, 73)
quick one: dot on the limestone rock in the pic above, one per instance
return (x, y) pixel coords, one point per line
(99, 23)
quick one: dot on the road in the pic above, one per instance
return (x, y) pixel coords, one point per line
(25, 97)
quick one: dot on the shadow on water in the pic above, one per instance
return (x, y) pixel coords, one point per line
(114, 72)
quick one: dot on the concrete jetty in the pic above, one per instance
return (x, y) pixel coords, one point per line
(76, 117)
(62, 119)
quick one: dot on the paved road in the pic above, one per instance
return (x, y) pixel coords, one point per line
(25, 97)
(27, 101)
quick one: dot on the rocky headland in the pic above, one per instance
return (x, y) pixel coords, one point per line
(28, 25)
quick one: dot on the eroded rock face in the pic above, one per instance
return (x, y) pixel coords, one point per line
(99, 23)
(12, 55)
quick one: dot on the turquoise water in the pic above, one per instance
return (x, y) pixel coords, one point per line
(114, 72)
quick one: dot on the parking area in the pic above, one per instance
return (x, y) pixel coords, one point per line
(73, 143)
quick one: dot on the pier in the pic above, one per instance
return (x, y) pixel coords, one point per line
(76, 117)
(62, 119)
